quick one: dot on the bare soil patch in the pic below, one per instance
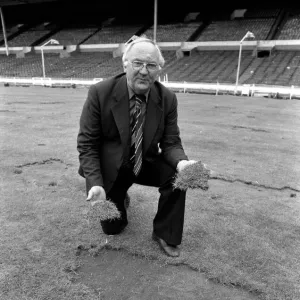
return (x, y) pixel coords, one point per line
(118, 275)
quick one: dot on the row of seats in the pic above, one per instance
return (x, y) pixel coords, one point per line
(73, 36)
(27, 38)
(262, 13)
(226, 30)
(78, 65)
(290, 30)
(203, 66)
(281, 68)
(113, 34)
(235, 30)
(173, 32)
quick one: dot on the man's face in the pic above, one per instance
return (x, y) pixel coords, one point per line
(140, 80)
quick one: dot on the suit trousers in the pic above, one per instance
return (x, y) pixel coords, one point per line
(169, 219)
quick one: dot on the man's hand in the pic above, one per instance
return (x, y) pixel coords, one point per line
(96, 193)
(184, 163)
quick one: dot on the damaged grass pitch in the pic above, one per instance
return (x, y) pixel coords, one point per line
(247, 238)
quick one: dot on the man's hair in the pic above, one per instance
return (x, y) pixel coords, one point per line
(135, 40)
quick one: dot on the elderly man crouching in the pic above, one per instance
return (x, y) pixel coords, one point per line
(124, 122)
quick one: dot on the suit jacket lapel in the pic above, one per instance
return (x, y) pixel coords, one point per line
(120, 110)
(153, 117)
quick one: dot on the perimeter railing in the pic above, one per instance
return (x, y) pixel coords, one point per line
(250, 90)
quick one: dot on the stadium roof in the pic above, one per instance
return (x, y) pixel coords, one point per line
(19, 2)
(143, 7)
(163, 3)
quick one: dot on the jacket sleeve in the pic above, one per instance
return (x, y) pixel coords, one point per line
(171, 144)
(89, 140)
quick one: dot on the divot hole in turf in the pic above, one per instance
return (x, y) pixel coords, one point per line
(117, 274)
(52, 183)
(252, 129)
(17, 102)
(222, 107)
(258, 130)
(17, 171)
(56, 102)
(43, 173)
(6, 110)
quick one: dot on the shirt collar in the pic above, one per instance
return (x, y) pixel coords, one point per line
(131, 92)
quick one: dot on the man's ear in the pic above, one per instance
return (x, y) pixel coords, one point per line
(125, 66)
(158, 73)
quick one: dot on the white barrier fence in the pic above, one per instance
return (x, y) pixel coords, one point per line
(287, 92)
(48, 81)
(271, 91)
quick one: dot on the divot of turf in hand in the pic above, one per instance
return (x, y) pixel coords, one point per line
(194, 176)
(103, 210)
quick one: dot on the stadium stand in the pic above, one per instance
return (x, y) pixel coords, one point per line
(281, 68)
(294, 69)
(234, 30)
(73, 36)
(173, 32)
(23, 34)
(113, 34)
(27, 38)
(222, 28)
(277, 69)
(262, 13)
(27, 67)
(79, 65)
(210, 66)
(290, 30)
(204, 66)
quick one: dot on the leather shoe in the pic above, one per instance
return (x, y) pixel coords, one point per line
(170, 250)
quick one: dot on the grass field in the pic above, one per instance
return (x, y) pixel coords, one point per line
(242, 234)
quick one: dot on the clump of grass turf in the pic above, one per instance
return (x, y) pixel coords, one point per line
(103, 210)
(194, 176)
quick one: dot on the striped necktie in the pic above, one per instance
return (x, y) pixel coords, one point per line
(138, 111)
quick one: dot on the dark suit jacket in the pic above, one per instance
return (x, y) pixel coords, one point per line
(104, 136)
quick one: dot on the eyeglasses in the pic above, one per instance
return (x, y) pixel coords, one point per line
(138, 65)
